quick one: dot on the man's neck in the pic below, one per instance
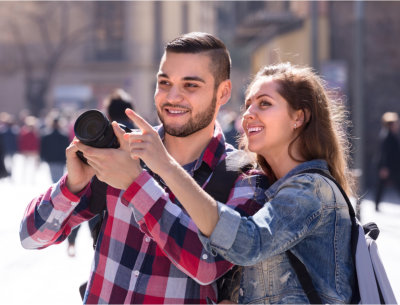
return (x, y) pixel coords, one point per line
(188, 149)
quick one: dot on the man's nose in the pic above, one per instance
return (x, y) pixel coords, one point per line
(174, 95)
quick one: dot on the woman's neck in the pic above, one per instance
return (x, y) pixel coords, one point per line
(281, 163)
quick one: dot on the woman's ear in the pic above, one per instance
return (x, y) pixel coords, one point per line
(301, 117)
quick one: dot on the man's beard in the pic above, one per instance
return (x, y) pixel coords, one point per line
(199, 122)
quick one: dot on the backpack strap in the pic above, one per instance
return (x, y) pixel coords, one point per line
(304, 278)
(98, 205)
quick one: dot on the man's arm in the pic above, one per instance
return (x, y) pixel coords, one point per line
(50, 217)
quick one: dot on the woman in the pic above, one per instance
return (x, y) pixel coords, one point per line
(291, 125)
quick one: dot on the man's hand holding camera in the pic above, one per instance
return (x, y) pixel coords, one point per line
(120, 165)
(79, 173)
(112, 166)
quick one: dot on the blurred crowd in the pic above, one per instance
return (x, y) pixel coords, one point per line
(34, 140)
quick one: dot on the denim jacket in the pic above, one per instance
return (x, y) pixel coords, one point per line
(305, 214)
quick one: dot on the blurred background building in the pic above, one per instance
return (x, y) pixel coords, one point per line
(70, 55)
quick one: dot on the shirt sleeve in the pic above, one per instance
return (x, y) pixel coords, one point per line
(281, 223)
(173, 230)
(50, 217)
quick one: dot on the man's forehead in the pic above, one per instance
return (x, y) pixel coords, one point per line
(185, 66)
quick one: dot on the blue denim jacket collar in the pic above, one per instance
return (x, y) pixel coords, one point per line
(318, 164)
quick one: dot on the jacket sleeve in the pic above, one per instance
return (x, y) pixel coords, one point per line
(50, 217)
(280, 224)
(173, 230)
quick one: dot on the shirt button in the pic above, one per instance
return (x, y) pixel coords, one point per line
(136, 273)
(147, 239)
(204, 256)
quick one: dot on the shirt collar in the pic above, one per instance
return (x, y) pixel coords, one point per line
(214, 151)
(313, 164)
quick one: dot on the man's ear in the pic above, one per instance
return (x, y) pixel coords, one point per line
(224, 92)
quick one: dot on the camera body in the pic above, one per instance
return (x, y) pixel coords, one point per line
(93, 128)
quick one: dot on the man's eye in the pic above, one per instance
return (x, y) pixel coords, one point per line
(191, 85)
(163, 83)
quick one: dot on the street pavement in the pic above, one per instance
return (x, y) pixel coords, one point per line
(50, 276)
(47, 276)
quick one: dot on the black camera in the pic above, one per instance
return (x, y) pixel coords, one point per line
(94, 129)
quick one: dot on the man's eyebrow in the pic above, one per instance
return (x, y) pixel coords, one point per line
(186, 78)
(160, 74)
(194, 78)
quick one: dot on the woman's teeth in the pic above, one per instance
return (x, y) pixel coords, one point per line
(254, 129)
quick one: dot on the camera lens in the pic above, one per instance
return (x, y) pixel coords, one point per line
(94, 129)
(91, 127)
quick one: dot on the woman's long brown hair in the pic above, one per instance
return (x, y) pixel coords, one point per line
(324, 134)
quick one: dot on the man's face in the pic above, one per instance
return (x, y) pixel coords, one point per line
(185, 97)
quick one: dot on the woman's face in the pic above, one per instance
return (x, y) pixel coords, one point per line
(268, 122)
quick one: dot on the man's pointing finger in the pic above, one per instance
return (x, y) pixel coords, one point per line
(138, 120)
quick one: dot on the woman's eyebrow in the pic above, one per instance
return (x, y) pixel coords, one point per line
(263, 95)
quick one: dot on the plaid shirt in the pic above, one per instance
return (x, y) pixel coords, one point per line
(148, 249)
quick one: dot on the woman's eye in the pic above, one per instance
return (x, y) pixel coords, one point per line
(264, 103)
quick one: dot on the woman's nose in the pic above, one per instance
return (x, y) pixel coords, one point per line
(249, 113)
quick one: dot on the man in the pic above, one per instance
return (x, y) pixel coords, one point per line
(52, 148)
(389, 158)
(148, 252)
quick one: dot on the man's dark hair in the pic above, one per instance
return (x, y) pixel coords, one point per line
(198, 42)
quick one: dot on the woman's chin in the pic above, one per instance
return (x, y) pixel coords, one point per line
(253, 148)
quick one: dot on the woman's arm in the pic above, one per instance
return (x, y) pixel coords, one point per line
(148, 146)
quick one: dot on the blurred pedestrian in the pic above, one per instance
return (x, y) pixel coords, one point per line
(115, 105)
(8, 133)
(3, 171)
(389, 156)
(52, 148)
(28, 142)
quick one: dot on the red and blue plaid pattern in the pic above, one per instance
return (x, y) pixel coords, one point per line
(148, 250)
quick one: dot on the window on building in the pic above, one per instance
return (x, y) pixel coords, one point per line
(109, 31)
